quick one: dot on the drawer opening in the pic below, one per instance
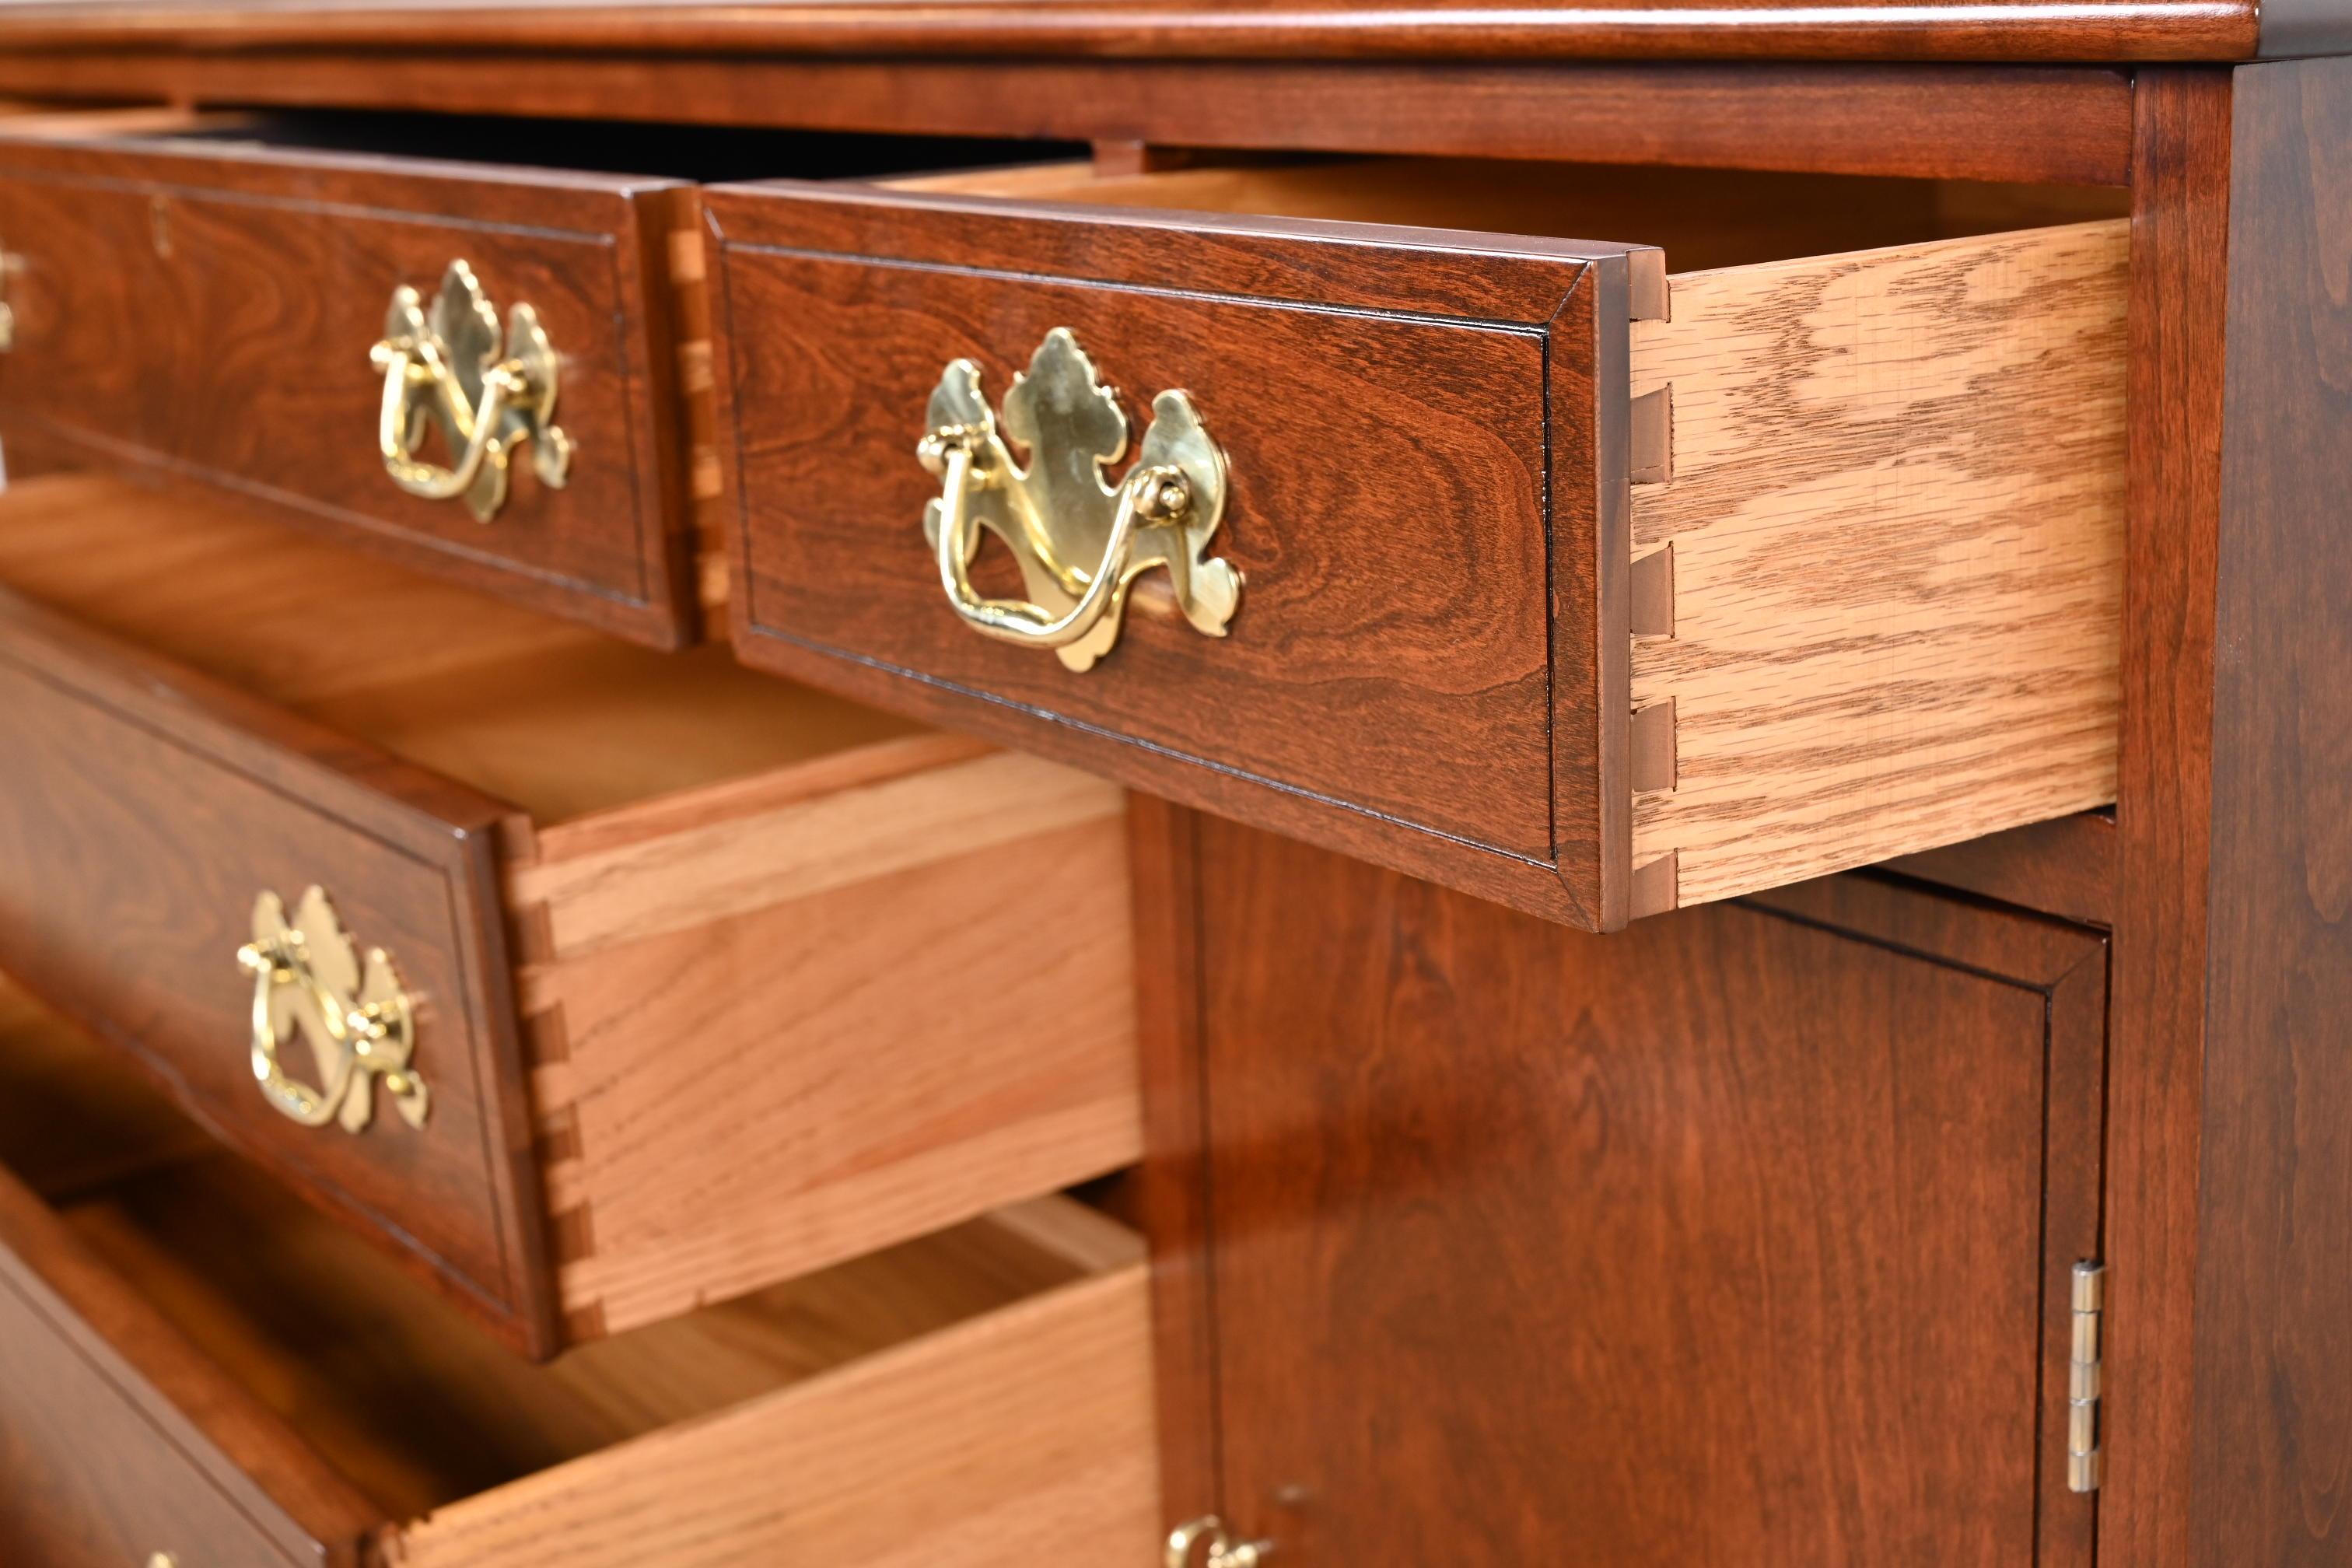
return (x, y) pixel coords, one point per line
(434, 1422)
(701, 153)
(559, 719)
(711, 886)
(1866, 438)
(1701, 218)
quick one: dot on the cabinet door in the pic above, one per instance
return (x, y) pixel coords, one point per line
(1741, 1237)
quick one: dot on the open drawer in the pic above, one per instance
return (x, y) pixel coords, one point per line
(1526, 567)
(197, 1370)
(236, 300)
(637, 980)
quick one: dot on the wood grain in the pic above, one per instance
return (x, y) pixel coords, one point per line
(752, 1096)
(261, 276)
(747, 853)
(2273, 1257)
(1701, 220)
(1897, 512)
(1353, 699)
(2066, 866)
(1989, 123)
(1683, 1202)
(2165, 870)
(1219, 30)
(1172, 1182)
(1895, 501)
(421, 1412)
(120, 1440)
(964, 1450)
(144, 809)
(715, 883)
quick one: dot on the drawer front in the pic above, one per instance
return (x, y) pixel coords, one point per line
(143, 812)
(105, 1466)
(1425, 435)
(211, 314)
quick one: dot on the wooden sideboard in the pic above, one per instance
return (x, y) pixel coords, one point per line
(1681, 872)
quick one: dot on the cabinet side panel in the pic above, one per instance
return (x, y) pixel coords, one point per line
(2271, 1437)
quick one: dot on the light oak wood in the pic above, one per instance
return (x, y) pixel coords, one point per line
(748, 854)
(871, 1055)
(132, 119)
(794, 980)
(955, 1399)
(1897, 517)
(1021, 1436)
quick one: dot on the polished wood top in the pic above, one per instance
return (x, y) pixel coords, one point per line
(1984, 30)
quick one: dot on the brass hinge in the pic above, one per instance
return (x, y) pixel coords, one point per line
(2083, 1373)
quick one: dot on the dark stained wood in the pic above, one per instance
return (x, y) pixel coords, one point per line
(2054, 124)
(1390, 681)
(1420, 670)
(207, 310)
(1221, 29)
(2270, 1445)
(2072, 978)
(1735, 1238)
(2064, 868)
(118, 1439)
(73, 1115)
(142, 809)
(1172, 1185)
(2165, 758)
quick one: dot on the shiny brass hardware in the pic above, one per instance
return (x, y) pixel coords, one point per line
(1224, 1551)
(2085, 1371)
(308, 977)
(1079, 540)
(446, 369)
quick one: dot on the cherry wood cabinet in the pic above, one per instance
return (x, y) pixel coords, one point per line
(1745, 1236)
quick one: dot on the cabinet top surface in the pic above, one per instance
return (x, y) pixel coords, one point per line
(1986, 30)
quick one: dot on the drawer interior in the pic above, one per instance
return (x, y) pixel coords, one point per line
(412, 1402)
(701, 153)
(558, 719)
(1702, 219)
(707, 891)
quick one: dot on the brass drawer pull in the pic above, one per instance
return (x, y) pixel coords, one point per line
(1224, 1551)
(1080, 541)
(446, 369)
(361, 1026)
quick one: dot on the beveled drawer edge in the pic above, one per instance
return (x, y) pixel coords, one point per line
(434, 822)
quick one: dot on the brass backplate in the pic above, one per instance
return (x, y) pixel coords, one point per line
(1060, 514)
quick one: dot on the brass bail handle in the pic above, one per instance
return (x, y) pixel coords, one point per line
(310, 982)
(449, 368)
(1079, 540)
(1161, 494)
(1223, 1552)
